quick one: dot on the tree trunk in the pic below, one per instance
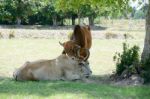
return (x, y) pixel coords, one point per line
(91, 20)
(54, 20)
(62, 22)
(79, 17)
(73, 20)
(146, 50)
(18, 21)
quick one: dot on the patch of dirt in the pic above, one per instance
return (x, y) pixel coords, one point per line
(104, 79)
(61, 34)
(134, 80)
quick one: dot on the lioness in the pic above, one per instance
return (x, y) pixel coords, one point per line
(61, 68)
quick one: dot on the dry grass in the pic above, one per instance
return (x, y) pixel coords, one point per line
(14, 52)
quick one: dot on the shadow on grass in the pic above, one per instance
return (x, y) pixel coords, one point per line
(9, 86)
(47, 27)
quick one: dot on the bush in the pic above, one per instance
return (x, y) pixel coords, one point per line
(11, 34)
(110, 35)
(146, 70)
(127, 59)
(1, 36)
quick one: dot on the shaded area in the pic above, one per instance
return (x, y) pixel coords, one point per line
(89, 90)
(47, 27)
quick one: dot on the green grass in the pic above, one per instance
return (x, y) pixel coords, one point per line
(66, 90)
(13, 53)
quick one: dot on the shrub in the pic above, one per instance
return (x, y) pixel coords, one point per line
(1, 36)
(110, 35)
(127, 36)
(146, 70)
(127, 59)
(11, 35)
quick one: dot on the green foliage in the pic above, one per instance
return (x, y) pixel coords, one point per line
(50, 11)
(45, 13)
(139, 14)
(11, 10)
(146, 69)
(127, 58)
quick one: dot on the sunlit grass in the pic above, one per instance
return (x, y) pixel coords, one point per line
(13, 53)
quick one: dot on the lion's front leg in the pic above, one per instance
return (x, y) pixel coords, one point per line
(69, 75)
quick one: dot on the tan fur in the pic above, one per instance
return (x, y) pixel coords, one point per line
(63, 67)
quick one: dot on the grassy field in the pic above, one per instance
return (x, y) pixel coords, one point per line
(14, 52)
(69, 90)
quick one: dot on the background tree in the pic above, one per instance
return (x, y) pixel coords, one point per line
(17, 10)
(5, 11)
(71, 7)
(53, 12)
(90, 11)
(146, 50)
